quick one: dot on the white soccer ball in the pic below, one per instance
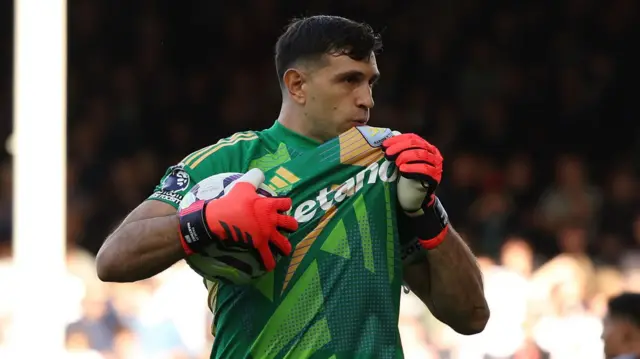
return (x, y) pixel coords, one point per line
(236, 263)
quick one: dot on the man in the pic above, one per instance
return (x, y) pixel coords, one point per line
(621, 332)
(336, 291)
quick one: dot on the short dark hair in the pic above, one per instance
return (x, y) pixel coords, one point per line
(311, 37)
(625, 306)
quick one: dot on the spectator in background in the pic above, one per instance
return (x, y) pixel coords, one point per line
(520, 185)
(630, 260)
(98, 322)
(563, 325)
(621, 333)
(78, 347)
(126, 345)
(620, 205)
(507, 288)
(572, 197)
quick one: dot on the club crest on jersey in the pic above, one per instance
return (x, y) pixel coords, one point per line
(374, 135)
(332, 196)
(177, 180)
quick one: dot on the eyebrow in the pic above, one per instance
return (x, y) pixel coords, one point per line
(374, 78)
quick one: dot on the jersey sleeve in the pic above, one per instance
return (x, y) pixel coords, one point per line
(231, 154)
(174, 185)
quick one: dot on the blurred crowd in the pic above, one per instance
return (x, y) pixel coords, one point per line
(531, 103)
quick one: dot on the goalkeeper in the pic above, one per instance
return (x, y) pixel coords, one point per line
(355, 234)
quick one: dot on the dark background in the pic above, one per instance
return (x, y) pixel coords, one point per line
(532, 103)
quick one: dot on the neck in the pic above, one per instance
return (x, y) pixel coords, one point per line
(294, 120)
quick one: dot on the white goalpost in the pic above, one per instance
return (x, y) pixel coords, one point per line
(39, 178)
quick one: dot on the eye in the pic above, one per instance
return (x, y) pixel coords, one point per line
(352, 79)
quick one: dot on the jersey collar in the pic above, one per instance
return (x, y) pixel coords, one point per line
(292, 138)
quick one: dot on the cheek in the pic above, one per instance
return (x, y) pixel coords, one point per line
(609, 336)
(342, 103)
(333, 108)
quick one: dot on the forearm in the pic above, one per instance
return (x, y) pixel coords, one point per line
(445, 276)
(448, 280)
(140, 249)
(457, 290)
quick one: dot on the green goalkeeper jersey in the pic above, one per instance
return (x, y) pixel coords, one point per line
(338, 294)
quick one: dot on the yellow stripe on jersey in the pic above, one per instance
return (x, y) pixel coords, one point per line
(287, 175)
(198, 153)
(197, 157)
(219, 146)
(192, 157)
(195, 154)
(278, 182)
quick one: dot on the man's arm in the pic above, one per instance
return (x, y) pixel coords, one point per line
(448, 280)
(148, 241)
(442, 271)
(145, 244)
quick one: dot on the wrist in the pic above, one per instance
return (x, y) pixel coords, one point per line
(430, 223)
(192, 228)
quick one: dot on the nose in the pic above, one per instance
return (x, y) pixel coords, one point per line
(365, 97)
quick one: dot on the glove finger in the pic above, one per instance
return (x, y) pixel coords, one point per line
(401, 138)
(433, 149)
(392, 151)
(267, 257)
(280, 204)
(396, 148)
(430, 151)
(420, 171)
(254, 176)
(415, 156)
(281, 242)
(397, 137)
(286, 223)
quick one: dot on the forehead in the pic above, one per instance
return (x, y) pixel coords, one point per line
(343, 63)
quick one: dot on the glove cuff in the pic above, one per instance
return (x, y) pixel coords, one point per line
(430, 223)
(192, 228)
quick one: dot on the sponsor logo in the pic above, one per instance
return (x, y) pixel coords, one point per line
(173, 197)
(334, 195)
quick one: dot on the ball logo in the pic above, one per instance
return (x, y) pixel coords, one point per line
(374, 135)
(177, 180)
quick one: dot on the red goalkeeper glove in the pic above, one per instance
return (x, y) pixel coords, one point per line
(416, 159)
(240, 216)
(420, 167)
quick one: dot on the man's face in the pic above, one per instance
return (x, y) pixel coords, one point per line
(614, 335)
(339, 94)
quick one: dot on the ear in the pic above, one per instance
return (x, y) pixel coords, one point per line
(293, 81)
